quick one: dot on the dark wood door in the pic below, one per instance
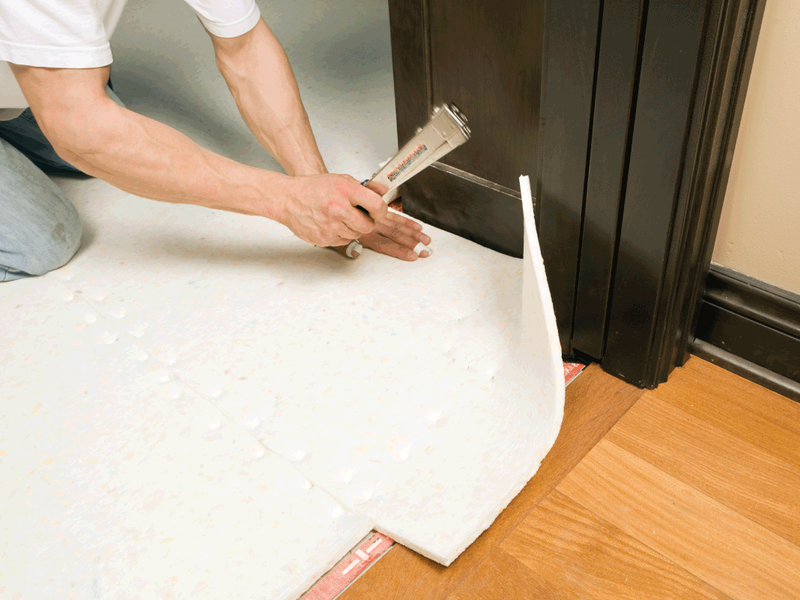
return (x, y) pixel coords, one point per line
(625, 112)
(477, 55)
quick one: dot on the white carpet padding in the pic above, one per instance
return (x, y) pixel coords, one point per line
(199, 398)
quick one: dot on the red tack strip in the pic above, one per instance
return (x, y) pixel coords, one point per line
(571, 371)
(350, 568)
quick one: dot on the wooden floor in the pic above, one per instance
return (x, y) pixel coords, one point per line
(689, 491)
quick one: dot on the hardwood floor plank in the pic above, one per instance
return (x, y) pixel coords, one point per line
(595, 401)
(741, 407)
(502, 577)
(738, 474)
(583, 556)
(711, 541)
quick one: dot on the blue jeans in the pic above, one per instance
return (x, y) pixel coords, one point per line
(39, 228)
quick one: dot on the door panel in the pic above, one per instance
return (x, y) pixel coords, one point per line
(489, 66)
(476, 54)
(615, 93)
(569, 73)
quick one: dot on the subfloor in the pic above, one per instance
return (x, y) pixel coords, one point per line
(688, 491)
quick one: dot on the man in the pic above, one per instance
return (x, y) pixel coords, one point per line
(58, 53)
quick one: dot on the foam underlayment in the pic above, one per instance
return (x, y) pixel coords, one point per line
(200, 403)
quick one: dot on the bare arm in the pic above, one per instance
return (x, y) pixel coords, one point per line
(261, 81)
(259, 76)
(147, 158)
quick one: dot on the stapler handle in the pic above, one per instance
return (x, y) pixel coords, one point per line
(446, 130)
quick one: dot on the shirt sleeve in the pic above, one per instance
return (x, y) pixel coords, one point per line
(47, 33)
(226, 18)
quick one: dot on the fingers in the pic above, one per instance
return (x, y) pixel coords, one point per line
(369, 200)
(376, 187)
(348, 233)
(384, 245)
(404, 221)
(343, 251)
(358, 222)
(399, 230)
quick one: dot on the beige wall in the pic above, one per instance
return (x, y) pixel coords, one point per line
(759, 232)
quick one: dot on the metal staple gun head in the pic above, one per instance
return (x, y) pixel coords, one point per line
(446, 130)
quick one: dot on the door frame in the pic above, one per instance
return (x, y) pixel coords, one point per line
(668, 126)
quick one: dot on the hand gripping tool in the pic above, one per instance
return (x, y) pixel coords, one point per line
(446, 130)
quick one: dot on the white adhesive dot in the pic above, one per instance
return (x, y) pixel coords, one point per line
(68, 296)
(364, 496)
(65, 275)
(298, 455)
(163, 375)
(253, 422)
(216, 392)
(347, 476)
(337, 512)
(402, 454)
(257, 451)
(119, 313)
(433, 416)
(139, 354)
(306, 484)
(139, 331)
(109, 337)
(90, 318)
(98, 297)
(215, 424)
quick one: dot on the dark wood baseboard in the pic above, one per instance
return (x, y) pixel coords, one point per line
(752, 329)
(467, 205)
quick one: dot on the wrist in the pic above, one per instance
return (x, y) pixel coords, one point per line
(272, 194)
(307, 168)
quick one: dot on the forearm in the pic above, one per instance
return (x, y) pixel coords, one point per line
(261, 81)
(152, 160)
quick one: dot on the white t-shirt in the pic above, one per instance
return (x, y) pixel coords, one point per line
(75, 33)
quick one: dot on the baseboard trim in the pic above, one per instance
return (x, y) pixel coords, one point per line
(754, 299)
(752, 329)
(748, 370)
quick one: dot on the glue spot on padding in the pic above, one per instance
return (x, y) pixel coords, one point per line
(139, 354)
(364, 496)
(434, 416)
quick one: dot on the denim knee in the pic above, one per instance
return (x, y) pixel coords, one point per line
(40, 230)
(52, 243)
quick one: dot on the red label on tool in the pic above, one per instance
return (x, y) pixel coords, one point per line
(398, 170)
